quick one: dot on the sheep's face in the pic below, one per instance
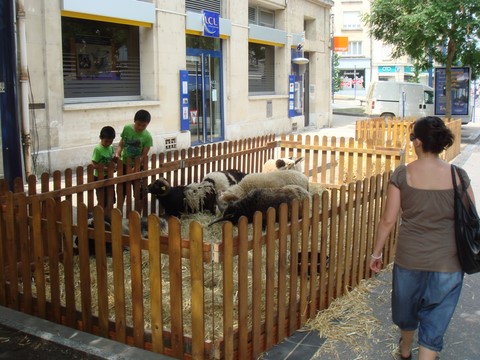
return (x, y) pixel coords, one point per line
(284, 164)
(159, 187)
(231, 214)
(196, 190)
(288, 163)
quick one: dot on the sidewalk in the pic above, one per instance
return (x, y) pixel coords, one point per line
(349, 106)
(379, 339)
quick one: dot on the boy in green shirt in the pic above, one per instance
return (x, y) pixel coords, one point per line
(102, 155)
(135, 143)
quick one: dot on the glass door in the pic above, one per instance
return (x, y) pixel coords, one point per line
(205, 101)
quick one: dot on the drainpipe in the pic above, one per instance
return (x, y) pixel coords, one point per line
(23, 77)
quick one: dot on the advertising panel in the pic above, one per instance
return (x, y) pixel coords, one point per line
(460, 90)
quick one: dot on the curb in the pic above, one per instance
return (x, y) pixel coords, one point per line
(72, 338)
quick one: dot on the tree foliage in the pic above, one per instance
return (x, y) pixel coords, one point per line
(337, 80)
(446, 31)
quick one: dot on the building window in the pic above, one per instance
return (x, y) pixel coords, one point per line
(100, 59)
(261, 68)
(352, 20)
(261, 16)
(354, 48)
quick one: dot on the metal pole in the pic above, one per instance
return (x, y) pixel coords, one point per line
(11, 148)
(332, 45)
(354, 81)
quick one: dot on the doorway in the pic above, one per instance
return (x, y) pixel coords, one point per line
(205, 94)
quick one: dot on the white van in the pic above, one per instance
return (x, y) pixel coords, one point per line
(399, 99)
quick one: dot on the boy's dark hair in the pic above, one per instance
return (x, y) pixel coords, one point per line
(142, 116)
(107, 132)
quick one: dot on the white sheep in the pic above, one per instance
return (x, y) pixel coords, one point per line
(283, 164)
(221, 181)
(274, 179)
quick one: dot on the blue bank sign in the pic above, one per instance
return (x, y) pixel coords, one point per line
(211, 24)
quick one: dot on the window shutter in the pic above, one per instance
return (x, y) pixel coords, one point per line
(252, 15)
(267, 18)
(199, 5)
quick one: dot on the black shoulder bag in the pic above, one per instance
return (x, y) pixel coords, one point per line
(467, 227)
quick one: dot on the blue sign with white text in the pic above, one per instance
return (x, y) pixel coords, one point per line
(184, 105)
(291, 96)
(211, 24)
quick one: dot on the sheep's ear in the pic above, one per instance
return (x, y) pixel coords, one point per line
(298, 160)
(280, 163)
(223, 218)
(228, 217)
(216, 221)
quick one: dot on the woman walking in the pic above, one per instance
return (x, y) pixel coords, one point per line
(427, 277)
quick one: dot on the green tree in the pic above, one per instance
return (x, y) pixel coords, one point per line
(337, 80)
(445, 30)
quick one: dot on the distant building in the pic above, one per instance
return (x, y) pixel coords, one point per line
(366, 59)
(207, 71)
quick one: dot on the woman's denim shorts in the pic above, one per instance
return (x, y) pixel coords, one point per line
(425, 300)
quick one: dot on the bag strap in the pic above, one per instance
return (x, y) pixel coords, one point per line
(461, 191)
(454, 178)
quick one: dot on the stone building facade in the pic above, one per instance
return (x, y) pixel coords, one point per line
(207, 71)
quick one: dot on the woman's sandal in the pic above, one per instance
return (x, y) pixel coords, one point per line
(409, 357)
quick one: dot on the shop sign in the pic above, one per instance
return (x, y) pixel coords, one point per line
(340, 43)
(211, 24)
(388, 69)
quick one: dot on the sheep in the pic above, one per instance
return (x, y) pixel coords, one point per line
(125, 230)
(200, 196)
(283, 164)
(222, 180)
(180, 199)
(264, 180)
(261, 199)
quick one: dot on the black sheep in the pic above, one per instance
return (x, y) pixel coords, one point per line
(125, 229)
(176, 200)
(262, 199)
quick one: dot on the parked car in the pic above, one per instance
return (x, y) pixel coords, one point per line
(399, 99)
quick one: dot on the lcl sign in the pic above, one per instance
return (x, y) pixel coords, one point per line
(211, 24)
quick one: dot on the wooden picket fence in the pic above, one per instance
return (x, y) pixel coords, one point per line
(333, 162)
(179, 292)
(259, 286)
(395, 132)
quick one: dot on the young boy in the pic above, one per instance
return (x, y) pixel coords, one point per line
(103, 154)
(135, 143)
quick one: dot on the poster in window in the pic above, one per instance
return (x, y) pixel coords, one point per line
(94, 57)
(351, 79)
